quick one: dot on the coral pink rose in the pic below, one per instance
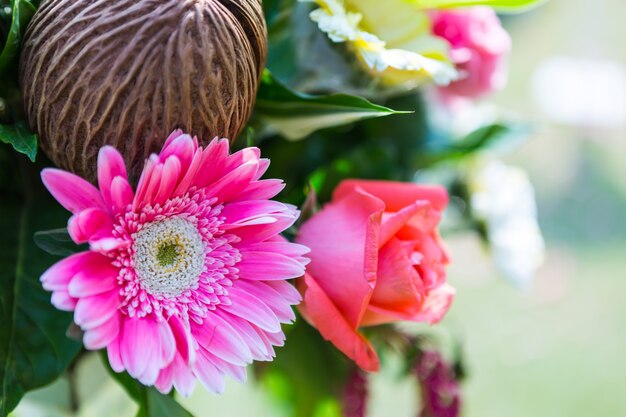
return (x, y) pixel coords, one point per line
(479, 45)
(376, 257)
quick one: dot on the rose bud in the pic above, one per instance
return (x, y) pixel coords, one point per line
(376, 257)
(479, 46)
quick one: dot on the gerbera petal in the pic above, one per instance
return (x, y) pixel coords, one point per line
(183, 378)
(261, 190)
(288, 291)
(250, 336)
(182, 338)
(113, 353)
(231, 184)
(259, 232)
(208, 374)
(137, 332)
(110, 165)
(71, 191)
(249, 307)
(103, 335)
(169, 179)
(244, 210)
(270, 297)
(183, 147)
(58, 276)
(95, 310)
(88, 223)
(121, 194)
(95, 279)
(63, 301)
(219, 337)
(268, 266)
(212, 164)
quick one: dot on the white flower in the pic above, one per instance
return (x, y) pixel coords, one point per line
(503, 197)
(392, 39)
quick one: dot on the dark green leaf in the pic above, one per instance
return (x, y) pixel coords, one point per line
(308, 374)
(150, 401)
(34, 349)
(57, 242)
(21, 13)
(21, 138)
(296, 115)
(491, 137)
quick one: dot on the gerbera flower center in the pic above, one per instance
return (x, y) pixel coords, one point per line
(169, 256)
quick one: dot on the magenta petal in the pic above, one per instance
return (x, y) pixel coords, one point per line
(88, 223)
(270, 297)
(58, 276)
(110, 165)
(250, 308)
(210, 377)
(182, 340)
(121, 194)
(260, 232)
(250, 336)
(103, 335)
(268, 266)
(95, 310)
(212, 165)
(244, 210)
(113, 353)
(169, 179)
(288, 291)
(71, 191)
(261, 190)
(63, 301)
(138, 336)
(219, 337)
(231, 184)
(189, 174)
(183, 378)
(183, 147)
(165, 380)
(95, 278)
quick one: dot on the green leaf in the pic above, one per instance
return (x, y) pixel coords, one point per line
(57, 242)
(150, 401)
(34, 349)
(21, 13)
(500, 5)
(21, 138)
(296, 115)
(494, 137)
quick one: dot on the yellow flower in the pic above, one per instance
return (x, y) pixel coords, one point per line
(392, 38)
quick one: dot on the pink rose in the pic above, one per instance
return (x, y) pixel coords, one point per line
(376, 257)
(479, 45)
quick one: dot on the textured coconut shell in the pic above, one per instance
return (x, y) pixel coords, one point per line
(128, 72)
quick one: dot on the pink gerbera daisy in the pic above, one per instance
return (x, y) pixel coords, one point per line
(186, 278)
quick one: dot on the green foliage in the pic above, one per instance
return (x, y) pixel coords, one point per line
(34, 349)
(18, 134)
(57, 242)
(296, 115)
(308, 374)
(500, 5)
(21, 13)
(21, 138)
(150, 401)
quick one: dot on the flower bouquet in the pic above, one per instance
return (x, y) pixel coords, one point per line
(202, 189)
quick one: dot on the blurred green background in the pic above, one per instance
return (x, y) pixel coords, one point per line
(556, 349)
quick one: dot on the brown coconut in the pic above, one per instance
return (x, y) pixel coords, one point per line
(128, 72)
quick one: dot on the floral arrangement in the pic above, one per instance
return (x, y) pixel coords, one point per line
(205, 189)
